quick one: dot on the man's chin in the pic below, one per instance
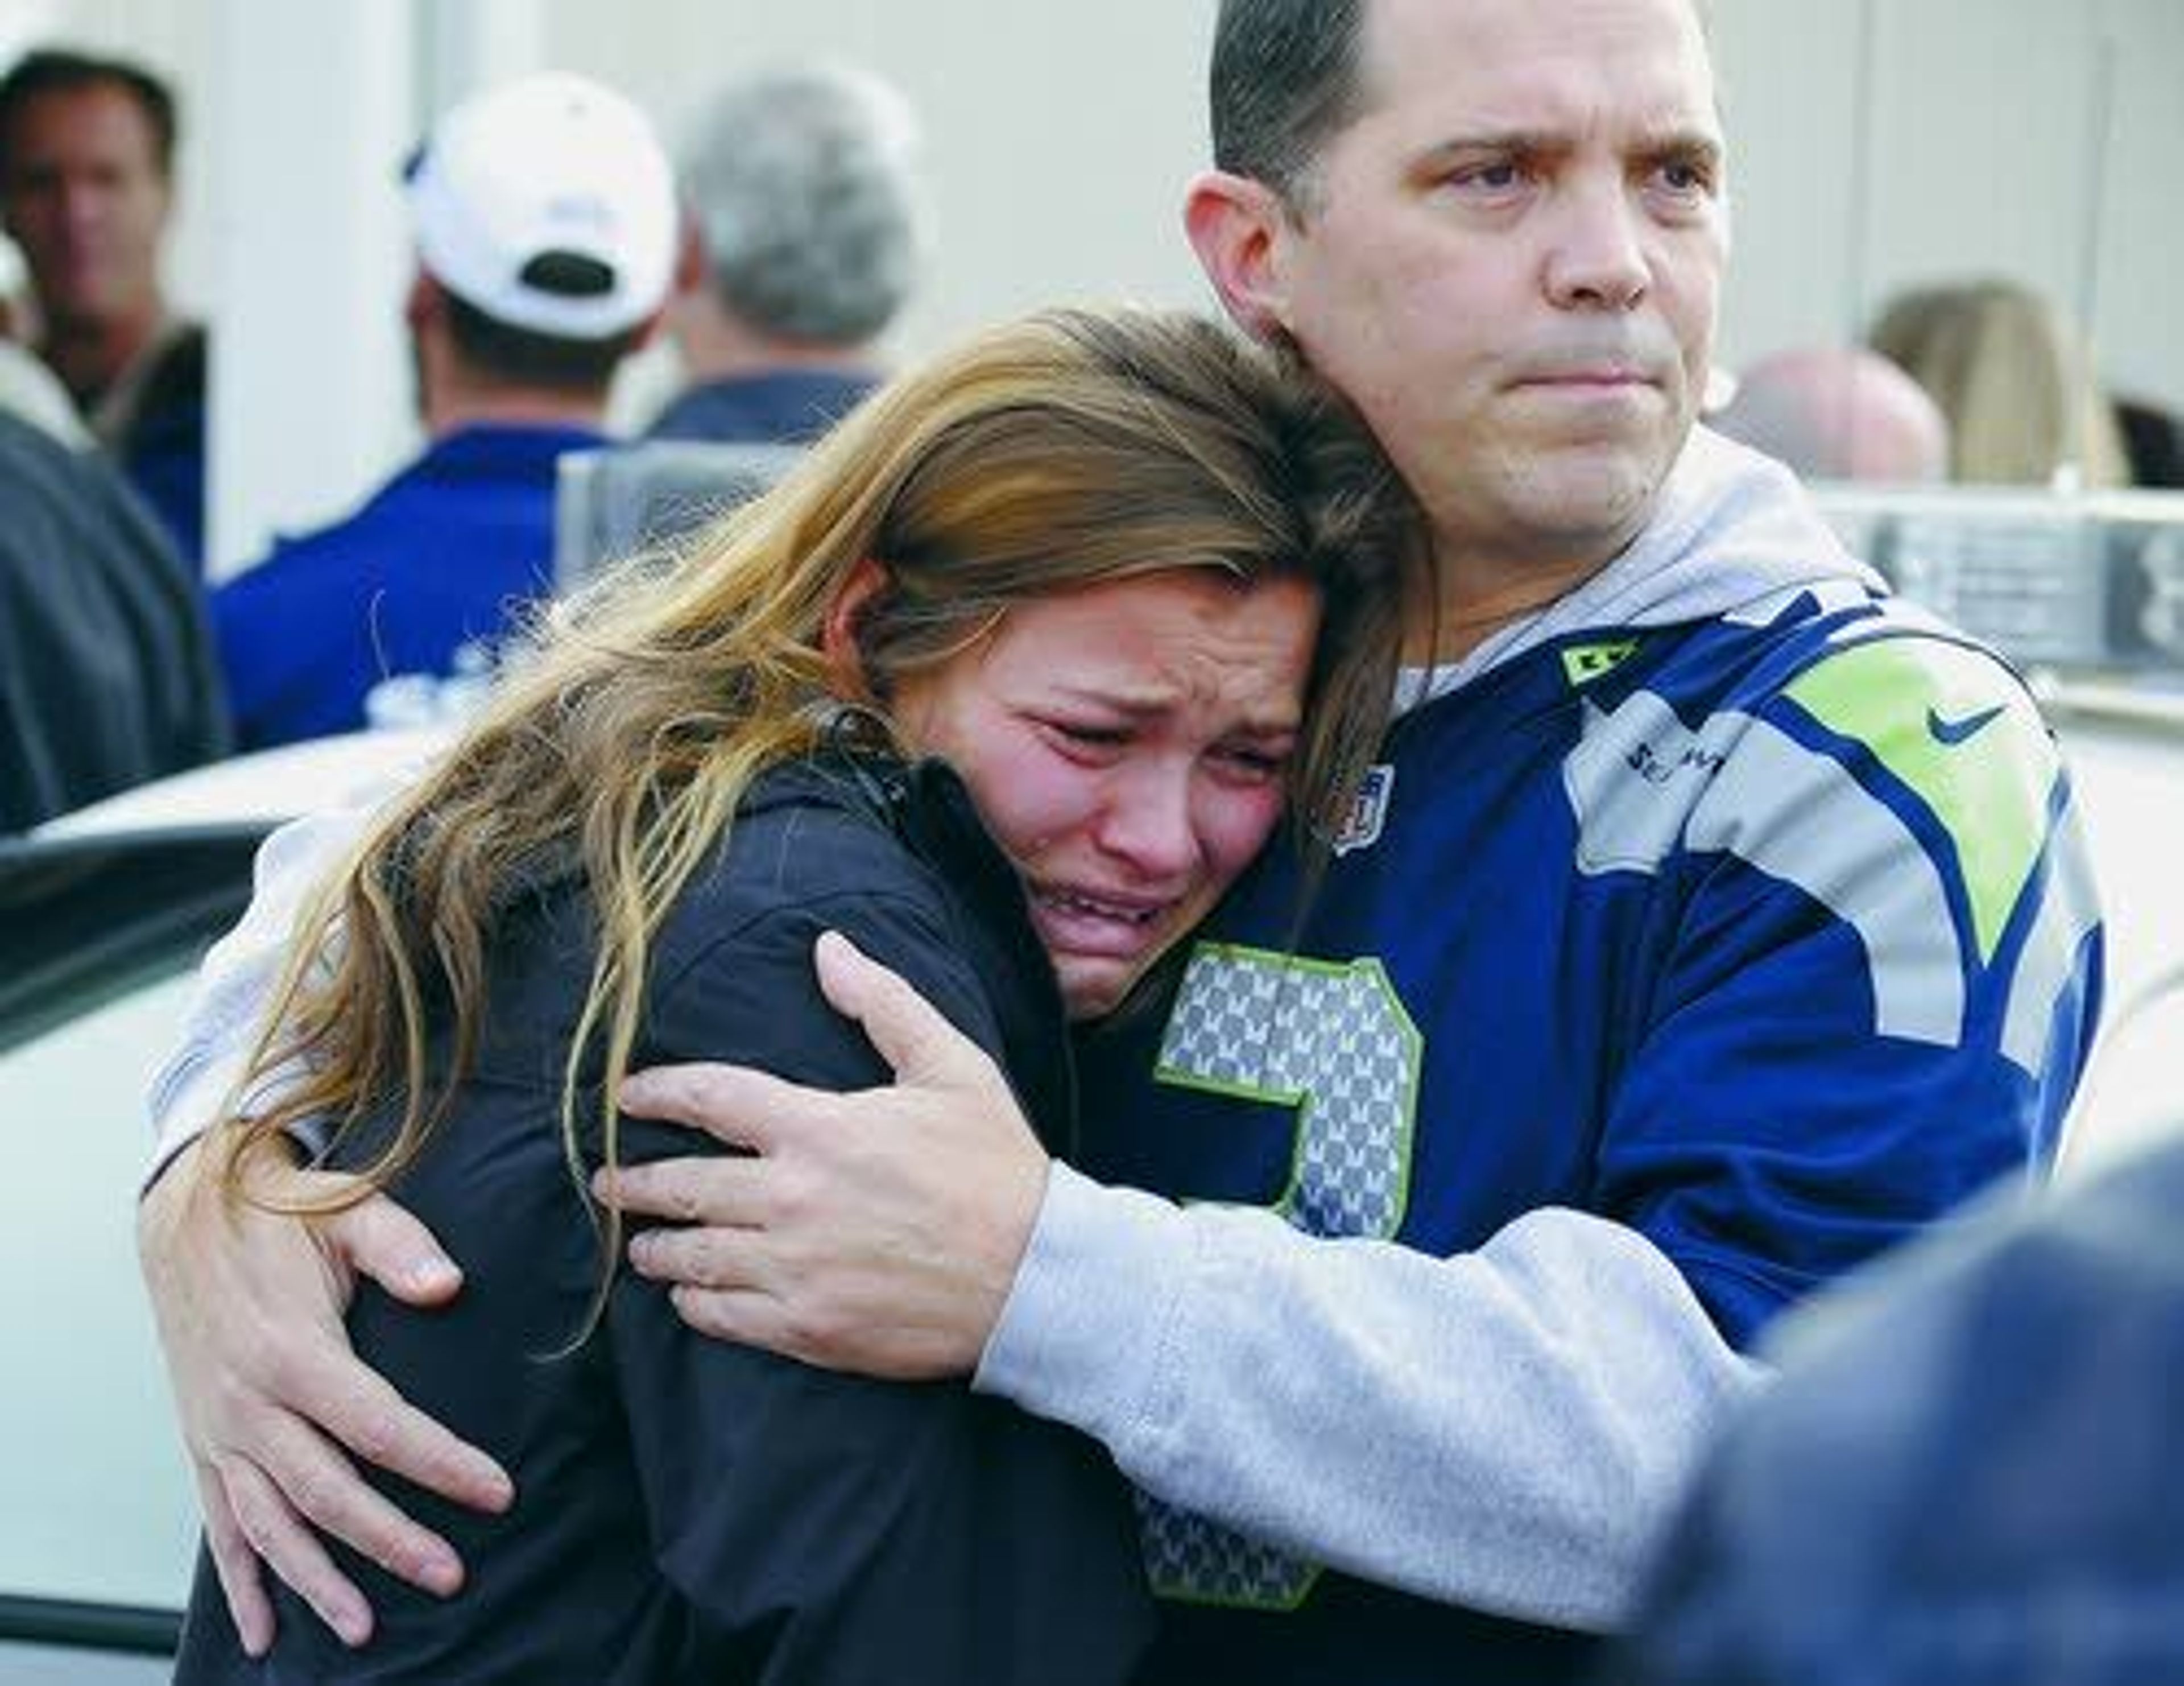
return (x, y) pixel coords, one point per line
(1589, 488)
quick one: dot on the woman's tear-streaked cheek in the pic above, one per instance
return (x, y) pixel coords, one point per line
(1234, 824)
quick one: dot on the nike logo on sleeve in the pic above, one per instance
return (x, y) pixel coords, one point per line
(1961, 730)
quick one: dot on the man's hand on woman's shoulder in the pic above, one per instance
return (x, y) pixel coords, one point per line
(274, 1403)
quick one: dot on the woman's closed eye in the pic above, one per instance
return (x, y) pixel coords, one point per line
(1086, 739)
(1255, 763)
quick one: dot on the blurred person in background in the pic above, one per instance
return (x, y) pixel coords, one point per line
(107, 675)
(33, 392)
(2152, 440)
(2023, 404)
(1968, 1474)
(1838, 413)
(802, 240)
(544, 216)
(86, 188)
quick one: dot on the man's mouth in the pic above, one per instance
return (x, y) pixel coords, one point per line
(1606, 375)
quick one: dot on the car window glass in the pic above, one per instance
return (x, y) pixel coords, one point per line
(95, 1499)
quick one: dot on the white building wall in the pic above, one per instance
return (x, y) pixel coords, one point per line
(2009, 137)
(1057, 134)
(1060, 134)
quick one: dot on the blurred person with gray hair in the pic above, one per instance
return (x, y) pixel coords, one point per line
(803, 237)
(1839, 413)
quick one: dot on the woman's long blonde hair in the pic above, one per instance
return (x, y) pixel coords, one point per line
(1069, 448)
(2018, 391)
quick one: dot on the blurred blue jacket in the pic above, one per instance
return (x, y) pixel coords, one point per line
(439, 557)
(1971, 1468)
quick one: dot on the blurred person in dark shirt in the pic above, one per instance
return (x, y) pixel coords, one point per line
(107, 675)
(1968, 1473)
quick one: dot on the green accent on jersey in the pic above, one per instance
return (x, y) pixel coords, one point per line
(1951, 723)
(1583, 663)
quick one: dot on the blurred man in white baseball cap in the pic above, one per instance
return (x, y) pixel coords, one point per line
(544, 217)
(547, 205)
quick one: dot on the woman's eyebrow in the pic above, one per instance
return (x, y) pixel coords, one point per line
(1124, 698)
(1146, 702)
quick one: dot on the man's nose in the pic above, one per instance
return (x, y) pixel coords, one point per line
(82, 203)
(1599, 259)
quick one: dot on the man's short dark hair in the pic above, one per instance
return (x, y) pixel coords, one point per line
(53, 69)
(1285, 79)
(531, 358)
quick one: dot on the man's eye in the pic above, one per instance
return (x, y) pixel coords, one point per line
(1498, 177)
(1686, 177)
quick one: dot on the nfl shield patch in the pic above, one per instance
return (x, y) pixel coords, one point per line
(1360, 823)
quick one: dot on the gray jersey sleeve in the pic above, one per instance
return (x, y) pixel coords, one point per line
(1508, 1429)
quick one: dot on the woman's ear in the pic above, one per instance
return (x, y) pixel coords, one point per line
(838, 636)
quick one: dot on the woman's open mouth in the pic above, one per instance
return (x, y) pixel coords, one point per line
(1084, 922)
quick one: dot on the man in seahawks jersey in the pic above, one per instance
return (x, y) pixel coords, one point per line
(1712, 923)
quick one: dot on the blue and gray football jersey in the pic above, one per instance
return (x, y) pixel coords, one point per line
(1770, 936)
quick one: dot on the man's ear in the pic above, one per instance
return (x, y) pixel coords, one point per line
(648, 330)
(691, 271)
(1235, 225)
(838, 636)
(424, 302)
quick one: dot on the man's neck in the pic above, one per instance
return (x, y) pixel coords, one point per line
(716, 345)
(90, 355)
(1480, 595)
(449, 406)
(1485, 587)
(1462, 624)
